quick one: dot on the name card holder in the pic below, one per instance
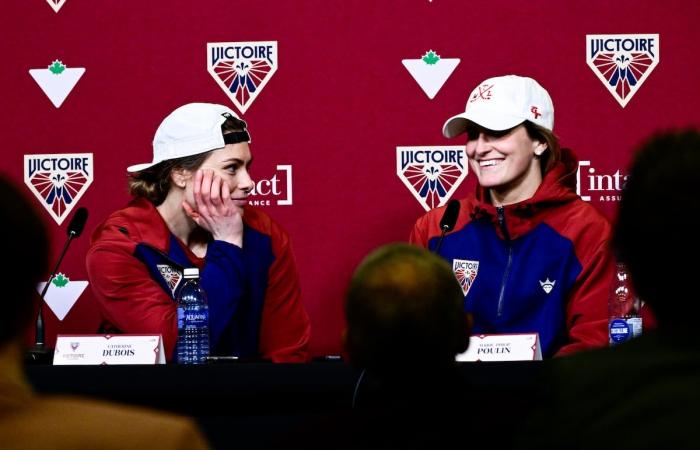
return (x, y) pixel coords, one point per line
(503, 347)
(108, 349)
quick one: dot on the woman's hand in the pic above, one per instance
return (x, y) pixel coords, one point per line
(214, 210)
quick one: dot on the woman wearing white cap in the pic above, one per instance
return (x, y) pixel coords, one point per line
(190, 210)
(530, 255)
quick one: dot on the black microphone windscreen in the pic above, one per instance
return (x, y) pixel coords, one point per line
(77, 223)
(449, 218)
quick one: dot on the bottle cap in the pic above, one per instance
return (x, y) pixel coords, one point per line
(191, 272)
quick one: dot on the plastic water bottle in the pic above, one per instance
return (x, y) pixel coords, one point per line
(192, 321)
(624, 321)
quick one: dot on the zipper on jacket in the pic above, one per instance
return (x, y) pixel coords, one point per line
(502, 223)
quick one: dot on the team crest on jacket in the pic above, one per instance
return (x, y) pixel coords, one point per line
(58, 181)
(171, 275)
(465, 271)
(622, 61)
(432, 174)
(242, 69)
(56, 4)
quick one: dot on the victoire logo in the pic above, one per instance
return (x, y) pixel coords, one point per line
(432, 174)
(57, 81)
(465, 271)
(58, 181)
(276, 189)
(602, 187)
(431, 72)
(622, 61)
(62, 294)
(56, 4)
(242, 69)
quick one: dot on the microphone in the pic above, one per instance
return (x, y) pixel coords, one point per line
(40, 354)
(448, 221)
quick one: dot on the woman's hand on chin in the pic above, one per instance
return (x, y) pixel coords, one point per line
(214, 210)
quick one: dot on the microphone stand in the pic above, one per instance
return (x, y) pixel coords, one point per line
(445, 229)
(40, 353)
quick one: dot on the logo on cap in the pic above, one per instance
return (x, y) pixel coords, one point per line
(431, 71)
(62, 294)
(242, 69)
(57, 81)
(622, 61)
(482, 92)
(56, 4)
(432, 174)
(465, 271)
(58, 181)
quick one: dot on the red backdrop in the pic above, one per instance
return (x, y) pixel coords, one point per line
(337, 107)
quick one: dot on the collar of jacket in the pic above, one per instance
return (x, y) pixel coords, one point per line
(558, 187)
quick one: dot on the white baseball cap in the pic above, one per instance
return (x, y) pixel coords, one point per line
(503, 102)
(191, 129)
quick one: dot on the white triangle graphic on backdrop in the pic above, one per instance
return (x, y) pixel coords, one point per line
(56, 4)
(57, 86)
(431, 77)
(62, 299)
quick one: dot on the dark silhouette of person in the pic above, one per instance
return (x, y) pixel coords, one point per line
(643, 393)
(29, 420)
(405, 325)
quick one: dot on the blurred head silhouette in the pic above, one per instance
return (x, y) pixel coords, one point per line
(656, 233)
(404, 305)
(25, 261)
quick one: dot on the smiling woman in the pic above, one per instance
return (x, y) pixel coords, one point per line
(190, 209)
(525, 228)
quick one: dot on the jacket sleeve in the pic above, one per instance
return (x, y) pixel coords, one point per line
(587, 308)
(127, 295)
(285, 327)
(419, 233)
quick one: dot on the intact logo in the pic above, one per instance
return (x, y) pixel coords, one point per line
(602, 187)
(622, 61)
(57, 81)
(62, 294)
(465, 271)
(432, 174)
(56, 4)
(58, 181)
(431, 72)
(242, 69)
(274, 190)
(171, 275)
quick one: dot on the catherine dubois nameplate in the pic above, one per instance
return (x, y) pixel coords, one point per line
(108, 349)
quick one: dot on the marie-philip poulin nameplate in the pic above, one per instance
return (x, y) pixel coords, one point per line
(503, 347)
(108, 349)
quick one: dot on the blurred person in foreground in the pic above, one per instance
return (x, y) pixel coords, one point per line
(32, 421)
(643, 393)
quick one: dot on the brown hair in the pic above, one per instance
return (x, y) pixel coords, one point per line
(154, 183)
(552, 155)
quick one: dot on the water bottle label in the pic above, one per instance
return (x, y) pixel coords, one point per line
(197, 318)
(635, 324)
(619, 331)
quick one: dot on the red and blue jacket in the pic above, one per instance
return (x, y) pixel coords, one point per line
(542, 265)
(135, 267)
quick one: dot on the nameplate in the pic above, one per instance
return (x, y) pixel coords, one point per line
(108, 349)
(503, 347)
